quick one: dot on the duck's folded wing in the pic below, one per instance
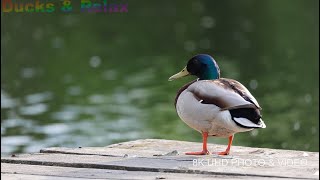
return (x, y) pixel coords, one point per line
(224, 93)
(239, 89)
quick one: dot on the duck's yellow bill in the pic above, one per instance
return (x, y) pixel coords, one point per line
(180, 74)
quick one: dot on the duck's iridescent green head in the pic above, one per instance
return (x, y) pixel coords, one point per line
(203, 66)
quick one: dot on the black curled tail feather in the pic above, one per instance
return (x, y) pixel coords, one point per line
(251, 114)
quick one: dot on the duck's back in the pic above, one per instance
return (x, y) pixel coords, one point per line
(224, 93)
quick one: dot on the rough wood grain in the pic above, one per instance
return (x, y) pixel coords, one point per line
(167, 157)
(36, 171)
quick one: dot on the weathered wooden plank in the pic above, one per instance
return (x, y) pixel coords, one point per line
(22, 171)
(281, 162)
(140, 156)
(103, 151)
(33, 177)
(158, 147)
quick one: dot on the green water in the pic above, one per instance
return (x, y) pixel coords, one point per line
(91, 80)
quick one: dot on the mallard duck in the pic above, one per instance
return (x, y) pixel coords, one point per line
(215, 106)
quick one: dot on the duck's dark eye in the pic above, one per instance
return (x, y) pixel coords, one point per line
(194, 66)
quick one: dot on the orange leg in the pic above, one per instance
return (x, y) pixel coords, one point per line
(227, 151)
(204, 146)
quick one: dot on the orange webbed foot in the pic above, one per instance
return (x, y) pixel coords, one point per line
(222, 153)
(198, 153)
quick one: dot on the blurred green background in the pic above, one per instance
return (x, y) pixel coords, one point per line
(84, 79)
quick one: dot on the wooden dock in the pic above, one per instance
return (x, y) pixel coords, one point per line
(160, 159)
